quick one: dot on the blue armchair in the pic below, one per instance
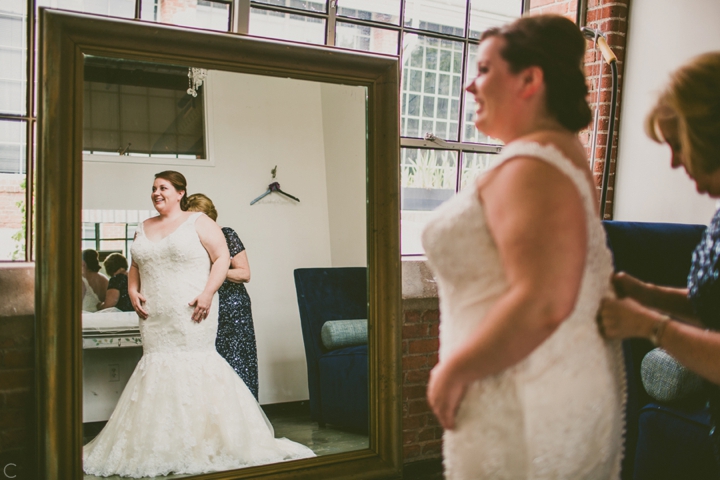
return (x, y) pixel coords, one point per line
(659, 435)
(337, 379)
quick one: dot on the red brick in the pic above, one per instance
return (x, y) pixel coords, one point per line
(413, 392)
(417, 376)
(410, 437)
(411, 316)
(415, 330)
(16, 378)
(418, 407)
(426, 434)
(411, 451)
(423, 346)
(432, 448)
(434, 330)
(13, 439)
(414, 422)
(412, 362)
(431, 316)
(12, 418)
(16, 358)
(18, 398)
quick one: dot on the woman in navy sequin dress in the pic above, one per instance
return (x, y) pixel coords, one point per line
(236, 333)
(684, 322)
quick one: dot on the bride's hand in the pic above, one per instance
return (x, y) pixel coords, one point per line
(137, 299)
(202, 306)
(445, 392)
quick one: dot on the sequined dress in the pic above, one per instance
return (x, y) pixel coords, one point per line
(184, 409)
(558, 413)
(704, 294)
(236, 334)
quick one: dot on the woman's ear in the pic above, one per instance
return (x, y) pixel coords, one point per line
(533, 80)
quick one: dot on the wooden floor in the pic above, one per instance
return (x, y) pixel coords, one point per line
(290, 420)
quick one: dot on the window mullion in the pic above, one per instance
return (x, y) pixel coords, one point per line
(463, 74)
(30, 130)
(330, 25)
(241, 16)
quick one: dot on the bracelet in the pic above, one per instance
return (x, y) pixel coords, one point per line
(659, 329)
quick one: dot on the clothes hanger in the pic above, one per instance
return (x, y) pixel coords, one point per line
(273, 187)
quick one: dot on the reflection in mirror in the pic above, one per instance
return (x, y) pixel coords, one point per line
(239, 137)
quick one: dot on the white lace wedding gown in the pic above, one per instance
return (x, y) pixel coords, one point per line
(184, 409)
(557, 414)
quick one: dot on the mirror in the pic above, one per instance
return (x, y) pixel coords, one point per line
(320, 122)
(233, 137)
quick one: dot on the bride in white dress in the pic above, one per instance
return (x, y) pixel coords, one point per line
(184, 409)
(526, 388)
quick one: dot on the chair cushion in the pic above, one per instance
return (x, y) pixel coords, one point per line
(343, 333)
(666, 380)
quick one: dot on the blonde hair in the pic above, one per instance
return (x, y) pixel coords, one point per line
(197, 202)
(692, 100)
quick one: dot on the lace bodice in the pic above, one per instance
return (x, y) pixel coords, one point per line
(173, 271)
(466, 262)
(558, 413)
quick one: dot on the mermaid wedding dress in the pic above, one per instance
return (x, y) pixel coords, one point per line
(557, 414)
(184, 409)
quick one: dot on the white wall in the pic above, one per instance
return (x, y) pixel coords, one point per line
(260, 122)
(345, 169)
(662, 35)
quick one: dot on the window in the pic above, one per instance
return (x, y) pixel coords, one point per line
(435, 40)
(14, 127)
(141, 110)
(110, 231)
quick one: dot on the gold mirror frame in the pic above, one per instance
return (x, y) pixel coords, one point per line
(64, 39)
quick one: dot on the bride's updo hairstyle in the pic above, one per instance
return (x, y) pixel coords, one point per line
(556, 45)
(178, 181)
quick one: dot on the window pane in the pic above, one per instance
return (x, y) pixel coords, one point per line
(428, 178)
(12, 147)
(432, 79)
(442, 16)
(473, 165)
(189, 13)
(314, 6)
(12, 190)
(470, 132)
(387, 11)
(369, 39)
(136, 108)
(111, 8)
(13, 56)
(298, 28)
(492, 13)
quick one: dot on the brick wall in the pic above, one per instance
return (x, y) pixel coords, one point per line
(610, 17)
(422, 434)
(16, 370)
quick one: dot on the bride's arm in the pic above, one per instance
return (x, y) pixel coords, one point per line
(213, 240)
(537, 220)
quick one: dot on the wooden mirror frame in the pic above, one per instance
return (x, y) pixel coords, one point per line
(64, 39)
